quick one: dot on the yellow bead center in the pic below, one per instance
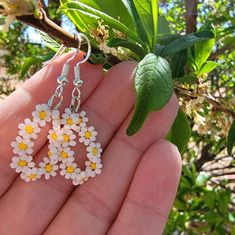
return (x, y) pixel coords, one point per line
(49, 153)
(94, 151)
(22, 146)
(54, 136)
(63, 154)
(70, 121)
(22, 163)
(66, 138)
(70, 169)
(29, 129)
(79, 120)
(32, 176)
(48, 168)
(87, 134)
(42, 115)
(93, 166)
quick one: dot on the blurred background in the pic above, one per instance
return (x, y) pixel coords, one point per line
(205, 202)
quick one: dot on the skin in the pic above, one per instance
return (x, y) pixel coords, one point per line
(137, 187)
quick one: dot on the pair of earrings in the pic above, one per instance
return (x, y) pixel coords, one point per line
(67, 129)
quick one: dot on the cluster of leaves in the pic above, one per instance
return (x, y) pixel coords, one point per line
(200, 209)
(148, 38)
(204, 204)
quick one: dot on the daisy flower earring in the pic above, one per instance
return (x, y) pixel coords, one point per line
(67, 129)
(75, 126)
(29, 130)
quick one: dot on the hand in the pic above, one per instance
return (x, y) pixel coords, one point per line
(136, 189)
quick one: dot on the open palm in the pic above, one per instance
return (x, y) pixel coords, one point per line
(136, 189)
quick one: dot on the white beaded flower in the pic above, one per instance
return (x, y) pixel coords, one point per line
(29, 129)
(80, 178)
(68, 138)
(55, 137)
(93, 168)
(21, 163)
(87, 135)
(66, 155)
(70, 120)
(82, 119)
(22, 146)
(48, 168)
(94, 151)
(56, 122)
(42, 114)
(69, 170)
(53, 153)
(30, 174)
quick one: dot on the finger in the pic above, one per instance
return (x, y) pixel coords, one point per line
(151, 194)
(114, 94)
(94, 205)
(20, 104)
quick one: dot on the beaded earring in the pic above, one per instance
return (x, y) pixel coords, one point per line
(66, 128)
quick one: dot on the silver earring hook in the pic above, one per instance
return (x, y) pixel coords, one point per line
(77, 82)
(88, 49)
(66, 67)
(79, 39)
(62, 80)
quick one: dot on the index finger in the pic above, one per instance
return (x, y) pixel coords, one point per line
(20, 104)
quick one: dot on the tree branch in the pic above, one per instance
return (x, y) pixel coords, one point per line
(181, 92)
(48, 26)
(223, 174)
(191, 16)
(206, 156)
(219, 106)
(55, 31)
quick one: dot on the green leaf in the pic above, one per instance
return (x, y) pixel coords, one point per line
(153, 84)
(120, 10)
(202, 178)
(141, 31)
(180, 131)
(146, 17)
(97, 58)
(231, 138)
(50, 43)
(166, 39)
(137, 49)
(30, 61)
(186, 41)
(27, 63)
(79, 21)
(207, 67)
(92, 16)
(163, 26)
(202, 50)
(178, 62)
(154, 6)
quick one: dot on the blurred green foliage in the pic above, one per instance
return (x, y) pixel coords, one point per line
(15, 44)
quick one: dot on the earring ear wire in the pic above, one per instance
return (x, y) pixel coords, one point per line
(77, 82)
(77, 66)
